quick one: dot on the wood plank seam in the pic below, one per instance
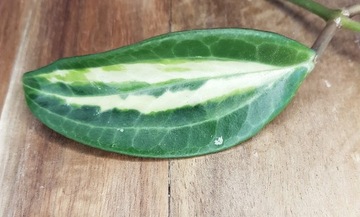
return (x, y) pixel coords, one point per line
(16, 74)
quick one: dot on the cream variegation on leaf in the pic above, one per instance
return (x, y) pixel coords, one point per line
(176, 95)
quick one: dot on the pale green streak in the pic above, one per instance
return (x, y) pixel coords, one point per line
(75, 75)
(111, 68)
(176, 69)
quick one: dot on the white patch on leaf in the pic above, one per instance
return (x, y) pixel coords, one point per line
(211, 89)
(219, 141)
(153, 73)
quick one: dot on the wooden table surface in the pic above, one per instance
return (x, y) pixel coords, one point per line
(305, 163)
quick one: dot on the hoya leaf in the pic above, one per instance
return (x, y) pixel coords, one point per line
(176, 95)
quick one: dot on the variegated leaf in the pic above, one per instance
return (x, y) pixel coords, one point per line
(176, 95)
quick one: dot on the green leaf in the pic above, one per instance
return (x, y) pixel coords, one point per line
(176, 95)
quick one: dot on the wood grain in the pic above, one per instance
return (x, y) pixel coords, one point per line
(305, 163)
(10, 31)
(44, 174)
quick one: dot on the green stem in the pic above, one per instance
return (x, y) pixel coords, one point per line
(340, 16)
(334, 18)
(350, 24)
(316, 8)
(351, 12)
